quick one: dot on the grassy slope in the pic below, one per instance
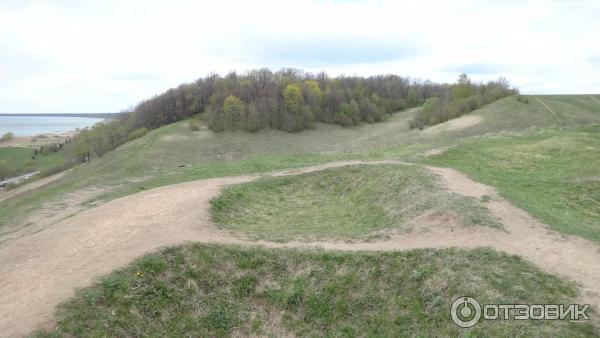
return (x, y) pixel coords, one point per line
(18, 161)
(203, 291)
(553, 174)
(154, 159)
(347, 202)
(573, 109)
(209, 290)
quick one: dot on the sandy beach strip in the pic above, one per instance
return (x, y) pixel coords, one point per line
(39, 139)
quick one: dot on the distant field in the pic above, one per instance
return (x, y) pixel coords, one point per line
(347, 202)
(16, 161)
(553, 174)
(213, 291)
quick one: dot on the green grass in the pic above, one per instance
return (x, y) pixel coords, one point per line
(154, 160)
(14, 212)
(207, 291)
(573, 109)
(552, 174)
(346, 202)
(16, 161)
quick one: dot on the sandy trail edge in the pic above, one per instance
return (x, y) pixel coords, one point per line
(40, 271)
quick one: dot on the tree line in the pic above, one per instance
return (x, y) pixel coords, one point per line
(289, 100)
(458, 99)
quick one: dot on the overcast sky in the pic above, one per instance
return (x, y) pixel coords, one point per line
(71, 56)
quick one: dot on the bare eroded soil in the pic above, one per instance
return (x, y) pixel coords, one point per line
(460, 123)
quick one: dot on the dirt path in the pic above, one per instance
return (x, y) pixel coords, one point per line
(41, 270)
(565, 255)
(460, 123)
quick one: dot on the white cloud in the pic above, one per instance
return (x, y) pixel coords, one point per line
(103, 56)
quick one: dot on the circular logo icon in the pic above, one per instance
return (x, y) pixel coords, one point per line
(465, 312)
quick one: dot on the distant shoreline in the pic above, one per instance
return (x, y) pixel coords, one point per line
(40, 124)
(91, 115)
(39, 139)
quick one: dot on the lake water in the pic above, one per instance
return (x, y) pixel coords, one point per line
(35, 125)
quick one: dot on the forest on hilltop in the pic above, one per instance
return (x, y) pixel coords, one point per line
(292, 100)
(289, 100)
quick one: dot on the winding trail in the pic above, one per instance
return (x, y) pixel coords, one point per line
(41, 270)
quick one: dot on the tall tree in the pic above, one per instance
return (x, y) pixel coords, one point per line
(293, 102)
(233, 111)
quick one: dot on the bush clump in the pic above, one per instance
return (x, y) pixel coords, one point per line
(7, 137)
(137, 133)
(460, 99)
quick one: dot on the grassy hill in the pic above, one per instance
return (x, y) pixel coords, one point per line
(175, 153)
(553, 174)
(541, 156)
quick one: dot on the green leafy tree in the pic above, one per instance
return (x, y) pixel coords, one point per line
(233, 109)
(314, 95)
(293, 102)
(7, 137)
(463, 87)
(412, 97)
(354, 111)
(254, 121)
(293, 99)
(342, 116)
(308, 117)
(81, 147)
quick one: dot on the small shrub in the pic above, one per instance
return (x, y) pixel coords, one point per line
(194, 124)
(7, 137)
(137, 133)
(216, 120)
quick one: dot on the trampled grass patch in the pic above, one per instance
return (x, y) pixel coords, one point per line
(345, 202)
(553, 174)
(207, 291)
